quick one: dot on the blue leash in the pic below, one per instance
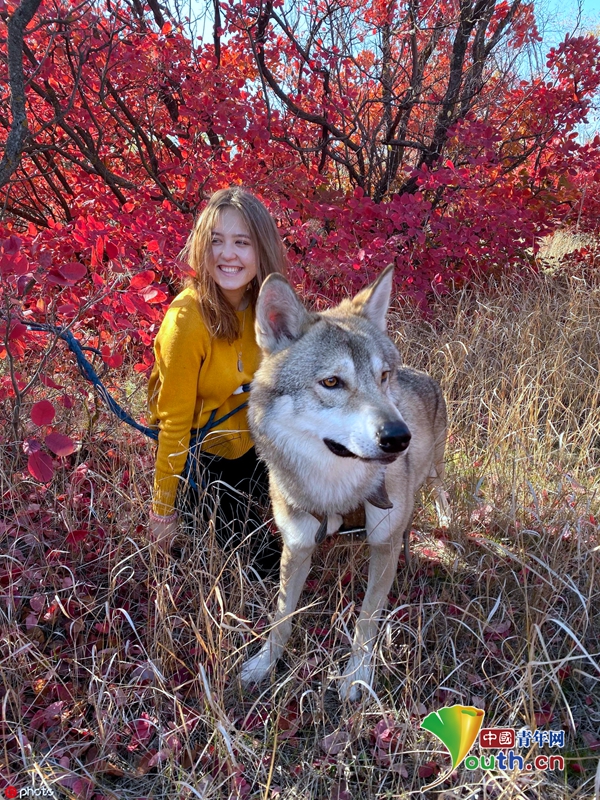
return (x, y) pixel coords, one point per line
(90, 374)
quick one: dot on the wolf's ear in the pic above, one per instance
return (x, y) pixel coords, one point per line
(374, 301)
(280, 316)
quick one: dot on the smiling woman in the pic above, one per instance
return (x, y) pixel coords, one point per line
(233, 264)
(205, 357)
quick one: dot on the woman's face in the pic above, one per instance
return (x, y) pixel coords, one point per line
(234, 259)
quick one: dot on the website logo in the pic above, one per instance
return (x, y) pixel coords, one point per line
(457, 728)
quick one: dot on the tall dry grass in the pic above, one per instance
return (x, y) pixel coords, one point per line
(502, 612)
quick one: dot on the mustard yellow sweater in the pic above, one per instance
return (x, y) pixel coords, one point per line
(193, 374)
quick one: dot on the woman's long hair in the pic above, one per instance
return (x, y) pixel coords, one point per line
(218, 314)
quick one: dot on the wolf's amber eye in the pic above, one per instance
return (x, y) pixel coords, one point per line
(331, 383)
(385, 375)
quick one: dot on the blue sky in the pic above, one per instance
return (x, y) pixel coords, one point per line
(558, 17)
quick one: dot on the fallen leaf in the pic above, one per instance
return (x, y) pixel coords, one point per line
(339, 791)
(335, 742)
(591, 740)
(37, 603)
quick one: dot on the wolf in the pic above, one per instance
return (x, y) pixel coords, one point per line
(340, 424)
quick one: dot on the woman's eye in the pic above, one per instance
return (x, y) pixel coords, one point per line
(385, 375)
(331, 383)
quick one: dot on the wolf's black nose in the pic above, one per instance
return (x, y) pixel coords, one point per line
(394, 437)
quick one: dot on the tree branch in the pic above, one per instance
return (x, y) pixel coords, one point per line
(18, 133)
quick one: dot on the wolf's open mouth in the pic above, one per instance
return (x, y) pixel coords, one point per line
(341, 450)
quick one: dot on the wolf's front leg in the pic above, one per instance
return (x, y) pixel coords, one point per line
(295, 566)
(382, 570)
(385, 529)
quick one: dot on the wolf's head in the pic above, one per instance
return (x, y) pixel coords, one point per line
(327, 380)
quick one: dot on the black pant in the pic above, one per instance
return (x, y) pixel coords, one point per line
(235, 494)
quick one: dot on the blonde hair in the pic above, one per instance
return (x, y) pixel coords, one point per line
(218, 314)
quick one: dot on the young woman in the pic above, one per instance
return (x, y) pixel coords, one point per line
(205, 357)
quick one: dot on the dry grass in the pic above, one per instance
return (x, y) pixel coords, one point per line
(555, 247)
(502, 613)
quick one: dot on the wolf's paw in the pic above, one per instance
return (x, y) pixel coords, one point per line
(442, 507)
(444, 518)
(258, 667)
(358, 671)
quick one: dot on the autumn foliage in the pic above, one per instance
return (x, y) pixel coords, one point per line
(377, 133)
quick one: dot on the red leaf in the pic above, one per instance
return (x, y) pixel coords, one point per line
(47, 381)
(38, 603)
(253, 722)
(112, 251)
(73, 272)
(68, 274)
(76, 536)
(152, 294)
(114, 360)
(12, 245)
(82, 788)
(57, 278)
(143, 279)
(385, 733)
(31, 621)
(335, 742)
(14, 265)
(339, 791)
(60, 444)
(67, 401)
(428, 769)
(68, 309)
(142, 730)
(40, 467)
(591, 740)
(17, 331)
(159, 757)
(43, 413)
(25, 284)
(102, 627)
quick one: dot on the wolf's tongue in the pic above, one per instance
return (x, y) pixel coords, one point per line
(379, 497)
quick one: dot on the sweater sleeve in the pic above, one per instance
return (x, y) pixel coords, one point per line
(179, 349)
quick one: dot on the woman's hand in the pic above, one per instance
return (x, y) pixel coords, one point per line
(162, 532)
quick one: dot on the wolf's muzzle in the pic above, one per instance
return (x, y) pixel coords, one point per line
(394, 437)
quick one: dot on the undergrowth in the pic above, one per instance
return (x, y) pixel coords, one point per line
(119, 667)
